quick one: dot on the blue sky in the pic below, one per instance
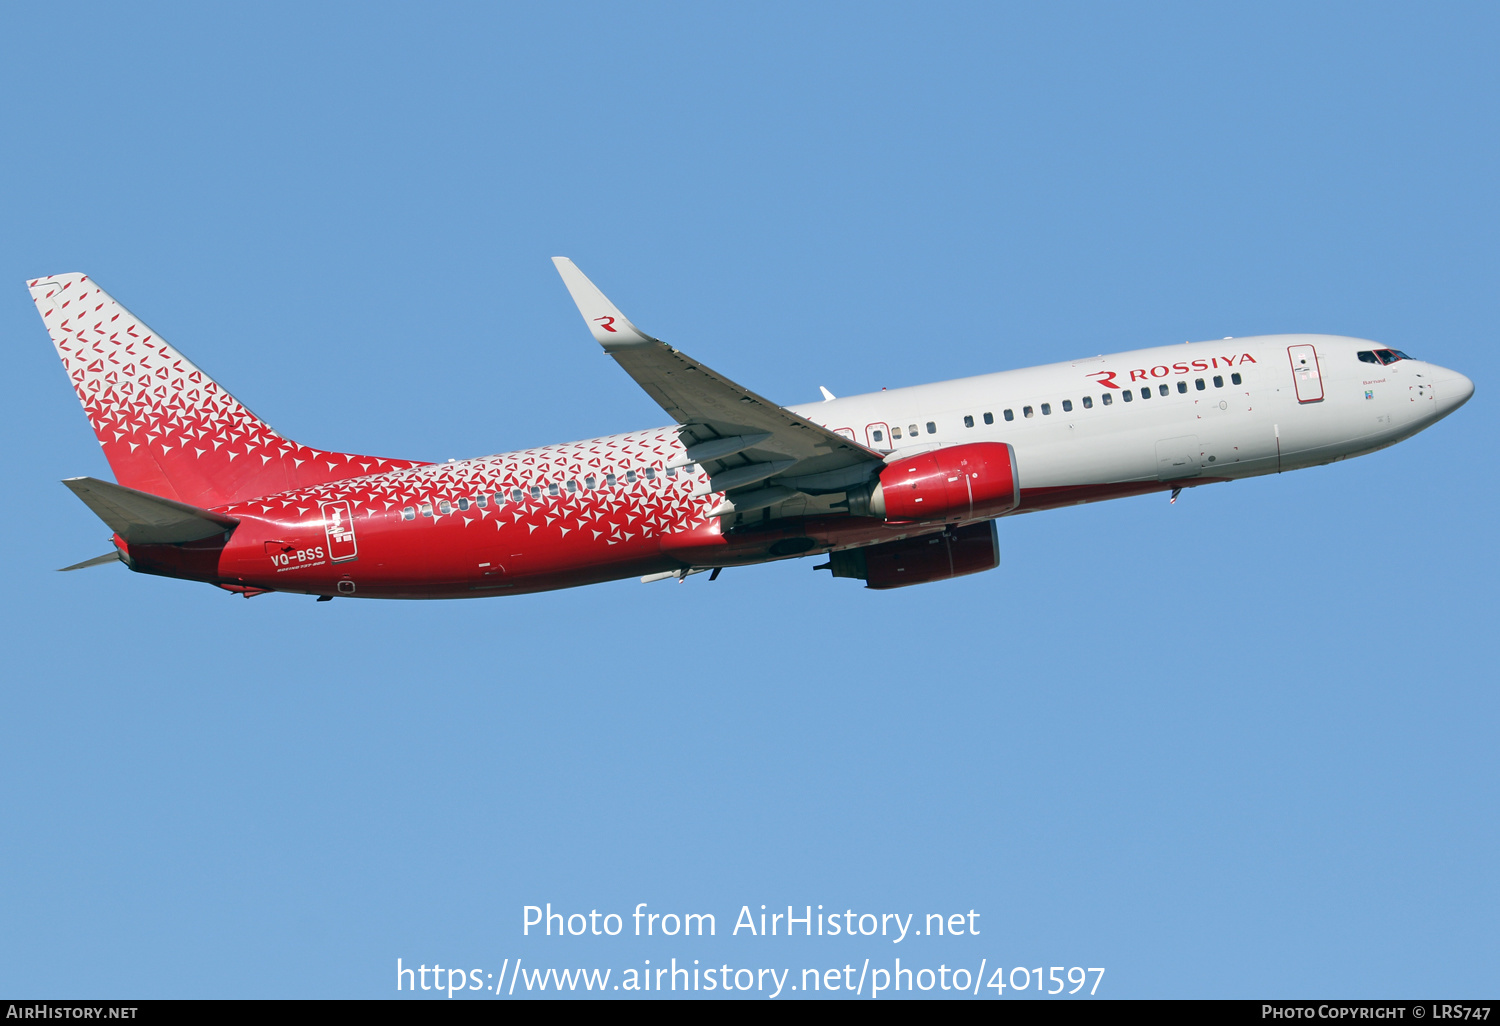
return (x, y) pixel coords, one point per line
(1239, 746)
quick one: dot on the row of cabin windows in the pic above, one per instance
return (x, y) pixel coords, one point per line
(1107, 399)
(1128, 395)
(879, 436)
(554, 488)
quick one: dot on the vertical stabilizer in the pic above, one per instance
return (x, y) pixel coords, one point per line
(166, 427)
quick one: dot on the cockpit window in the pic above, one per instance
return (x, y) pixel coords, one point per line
(1388, 356)
(1366, 356)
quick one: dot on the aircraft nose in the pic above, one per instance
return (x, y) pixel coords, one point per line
(1453, 390)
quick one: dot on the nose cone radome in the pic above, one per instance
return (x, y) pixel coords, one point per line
(1453, 390)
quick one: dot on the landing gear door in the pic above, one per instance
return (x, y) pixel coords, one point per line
(1306, 374)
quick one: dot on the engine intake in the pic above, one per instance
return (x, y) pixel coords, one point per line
(953, 484)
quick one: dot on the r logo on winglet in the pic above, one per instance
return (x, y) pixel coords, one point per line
(608, 324)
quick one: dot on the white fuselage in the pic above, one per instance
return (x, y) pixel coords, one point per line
(627, 505)
(1216, 428)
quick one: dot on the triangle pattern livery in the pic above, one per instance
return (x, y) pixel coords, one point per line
(895, 488)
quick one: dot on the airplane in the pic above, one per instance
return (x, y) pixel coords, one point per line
(896, 488)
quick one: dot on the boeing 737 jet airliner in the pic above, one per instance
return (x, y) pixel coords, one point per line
(897, 487)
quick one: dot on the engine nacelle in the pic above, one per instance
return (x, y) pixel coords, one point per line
(934, 557)
(953, 484)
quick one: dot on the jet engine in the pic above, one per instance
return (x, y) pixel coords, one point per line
(953, 484)
(933, 557)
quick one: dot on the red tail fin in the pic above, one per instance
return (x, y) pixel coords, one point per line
(166, 427)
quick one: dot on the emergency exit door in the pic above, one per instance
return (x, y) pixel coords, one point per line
(1305, 373)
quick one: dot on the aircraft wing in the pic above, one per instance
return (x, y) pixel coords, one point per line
(760, 453)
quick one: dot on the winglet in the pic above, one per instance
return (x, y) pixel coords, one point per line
(611, 328)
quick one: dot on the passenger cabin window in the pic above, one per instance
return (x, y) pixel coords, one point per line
(445, 507)
(630, 477)
(895, 432)
(1128, 396)
(1088, 402)
(426, 509)
(968, 420)
(912, 431)
(482, 500)
(931, 427)
(536, 491)
(1163, 389)
(1026, 412)
(552, 488)
(408, 513)
(1067, 406)
(879, 436)
(671, 471)
(1106, 399)
(1046, 409)
(1235, 377)
(1218, 381)
(1146, 392)
(989, 418)
(572, 486)
(610, 480)
(516, 494)
(1182, 386)
(650, 473)
(1010, 415)
(463, 502)
(589, 482)
(1199, 385)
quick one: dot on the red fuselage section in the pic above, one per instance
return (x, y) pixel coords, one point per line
(536, 520)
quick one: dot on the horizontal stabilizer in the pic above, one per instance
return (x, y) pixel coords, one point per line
(112, 556)
(145, 519)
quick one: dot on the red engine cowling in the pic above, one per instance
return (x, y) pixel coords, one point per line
(956, 483)
(933, 557)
